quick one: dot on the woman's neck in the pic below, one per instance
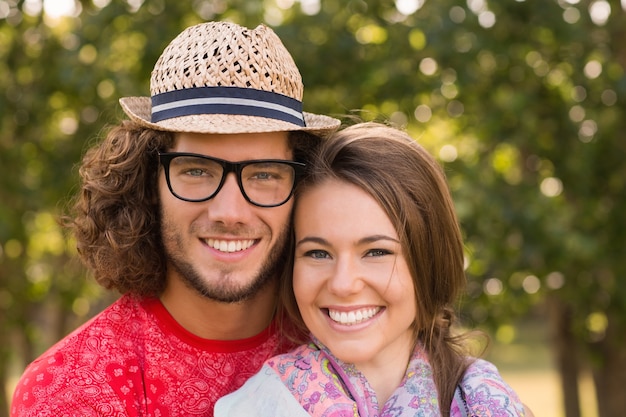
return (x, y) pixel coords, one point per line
(385, 378)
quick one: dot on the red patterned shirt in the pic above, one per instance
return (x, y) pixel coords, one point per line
(134, 359)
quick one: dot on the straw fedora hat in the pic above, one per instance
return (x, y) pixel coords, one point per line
(219, 77)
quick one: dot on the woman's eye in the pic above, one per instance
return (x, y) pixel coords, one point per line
(378, 252)
(317, 254)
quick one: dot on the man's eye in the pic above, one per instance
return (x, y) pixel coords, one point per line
(263, 176)
(268, 171)
(195, 172)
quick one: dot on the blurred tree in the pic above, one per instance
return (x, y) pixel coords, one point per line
(523, 101)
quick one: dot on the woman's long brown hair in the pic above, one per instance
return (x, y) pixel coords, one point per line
(411, 188)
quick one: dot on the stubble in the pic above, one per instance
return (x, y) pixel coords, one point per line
(222, 286)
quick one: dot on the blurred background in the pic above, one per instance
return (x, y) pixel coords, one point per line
(522, 101)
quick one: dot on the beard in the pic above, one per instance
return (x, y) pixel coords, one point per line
(225, 289)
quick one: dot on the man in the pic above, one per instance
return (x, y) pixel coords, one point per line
(185, 210)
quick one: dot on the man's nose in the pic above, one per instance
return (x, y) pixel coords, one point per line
(229, 206)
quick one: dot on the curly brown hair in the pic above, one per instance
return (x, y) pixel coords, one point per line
(115, 217)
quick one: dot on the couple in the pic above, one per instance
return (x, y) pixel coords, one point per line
(217, 288)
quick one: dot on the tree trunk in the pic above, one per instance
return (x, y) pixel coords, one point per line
(4, 400)
(610, 375)
(566, 356)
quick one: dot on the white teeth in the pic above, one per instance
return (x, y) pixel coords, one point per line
(229, 245)
(353, 317)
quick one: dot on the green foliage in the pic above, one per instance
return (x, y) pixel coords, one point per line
(522, 101)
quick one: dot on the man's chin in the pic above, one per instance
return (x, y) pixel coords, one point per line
(235, 294)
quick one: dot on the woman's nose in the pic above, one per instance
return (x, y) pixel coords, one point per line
(346, 278)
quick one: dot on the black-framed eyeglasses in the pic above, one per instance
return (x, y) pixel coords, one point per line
(263, 182)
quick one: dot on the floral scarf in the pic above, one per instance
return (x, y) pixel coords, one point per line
(327, 387)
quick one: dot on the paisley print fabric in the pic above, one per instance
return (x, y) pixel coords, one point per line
(326, 387)
(134, 359)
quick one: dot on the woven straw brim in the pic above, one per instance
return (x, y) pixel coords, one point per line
(138, 109)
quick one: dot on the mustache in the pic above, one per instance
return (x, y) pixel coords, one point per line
(239, 230)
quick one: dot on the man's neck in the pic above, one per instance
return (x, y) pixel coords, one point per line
(215, 320)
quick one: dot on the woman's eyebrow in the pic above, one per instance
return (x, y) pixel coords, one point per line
(376, 238)
(313, 239)
(364, 240)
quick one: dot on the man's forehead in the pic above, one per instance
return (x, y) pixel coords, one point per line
(239, 145)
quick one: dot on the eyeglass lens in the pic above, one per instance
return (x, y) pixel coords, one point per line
(263, 183)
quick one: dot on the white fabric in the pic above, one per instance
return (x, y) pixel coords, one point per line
(263, 395)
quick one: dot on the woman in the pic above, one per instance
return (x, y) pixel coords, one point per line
(377, 268)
